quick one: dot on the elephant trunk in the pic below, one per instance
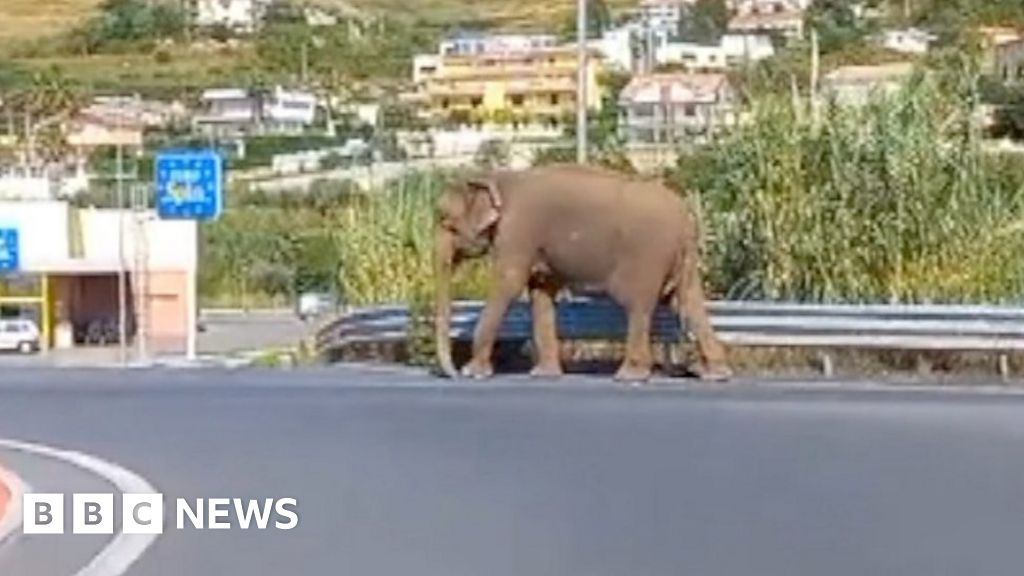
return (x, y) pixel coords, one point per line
(444, 264)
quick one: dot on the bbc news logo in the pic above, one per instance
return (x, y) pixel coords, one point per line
(144, 514)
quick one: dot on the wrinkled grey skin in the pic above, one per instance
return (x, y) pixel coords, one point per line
(580, 228)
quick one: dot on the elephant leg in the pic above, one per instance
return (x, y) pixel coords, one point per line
(693, 309)
(509, 282)
(545, 333)
(637, 365)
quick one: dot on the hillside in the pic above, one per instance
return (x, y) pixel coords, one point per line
(511, 13)
(23, 19)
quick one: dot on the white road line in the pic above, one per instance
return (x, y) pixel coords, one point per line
(10, 523)
(124, 549)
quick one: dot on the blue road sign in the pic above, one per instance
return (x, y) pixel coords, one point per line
(189, 184)
(10, 252)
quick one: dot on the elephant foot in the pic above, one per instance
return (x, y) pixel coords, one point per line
(478, 370)
(714, 373)
(629, 373)
(546, 371)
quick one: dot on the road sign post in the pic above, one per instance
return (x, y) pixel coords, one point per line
(190, 186)
(10, 250)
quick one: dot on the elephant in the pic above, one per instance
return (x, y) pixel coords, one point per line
(578, 228)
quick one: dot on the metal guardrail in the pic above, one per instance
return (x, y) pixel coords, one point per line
(899, 327)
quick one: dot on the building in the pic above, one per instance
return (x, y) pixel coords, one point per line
(788, 24)
(670, 109)
(664, 14)
(227, 111)
(992, 39)
(241, 16)
(470, 43)
(855, 85)
(39, 181)
(425, 66)
(1008, 61)
(68, 276)
(237, 111)
(619, 47)
(907, 41)
(287, 111)
(91, 129)
(517, 88)
(744, 7)
(732, 50)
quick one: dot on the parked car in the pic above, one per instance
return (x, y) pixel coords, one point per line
(315, 304)
(19, 336)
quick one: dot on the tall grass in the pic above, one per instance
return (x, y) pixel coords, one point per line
(892, 201)
(386, 245)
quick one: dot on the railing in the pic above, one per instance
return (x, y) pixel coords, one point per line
(897, 327)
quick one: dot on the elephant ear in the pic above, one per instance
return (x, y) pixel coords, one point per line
(484, 203)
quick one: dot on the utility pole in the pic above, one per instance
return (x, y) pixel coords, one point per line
(122, 289)
(581, 82)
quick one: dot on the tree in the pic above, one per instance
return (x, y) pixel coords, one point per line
(45, 103)
(599, 19)
(705, 22)
(836, 23)
(128, 20)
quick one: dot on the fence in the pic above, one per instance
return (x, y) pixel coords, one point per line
(897, 327)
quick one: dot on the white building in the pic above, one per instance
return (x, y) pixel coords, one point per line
(663, 14)
(465, 43)
(789, 24)
(732, 50)
(43, 182)
(619, 47)
(742, 7)
(227, 111)
(237, 15)
(855, 85)
(288, 110)
(235, 111)
(72, 257)
(907, 41)
(668, 109)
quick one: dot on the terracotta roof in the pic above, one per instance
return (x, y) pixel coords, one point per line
(674, 87)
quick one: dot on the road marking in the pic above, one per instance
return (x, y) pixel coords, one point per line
(124, 549)
(10, 513)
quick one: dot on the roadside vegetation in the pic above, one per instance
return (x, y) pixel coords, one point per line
(893, 202)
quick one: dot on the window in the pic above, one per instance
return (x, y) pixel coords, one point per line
(445, 103)
(477, 101)
(689, 110)
(517, 99)
(554, 100)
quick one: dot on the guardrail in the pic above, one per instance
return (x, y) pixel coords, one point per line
(898, 327)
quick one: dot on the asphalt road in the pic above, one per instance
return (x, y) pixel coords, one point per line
(396, 473)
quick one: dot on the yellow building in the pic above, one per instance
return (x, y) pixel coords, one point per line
(535, 87)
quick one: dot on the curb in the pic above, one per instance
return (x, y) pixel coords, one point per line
(11, 490)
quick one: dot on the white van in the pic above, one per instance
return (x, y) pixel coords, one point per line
(19, 335)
